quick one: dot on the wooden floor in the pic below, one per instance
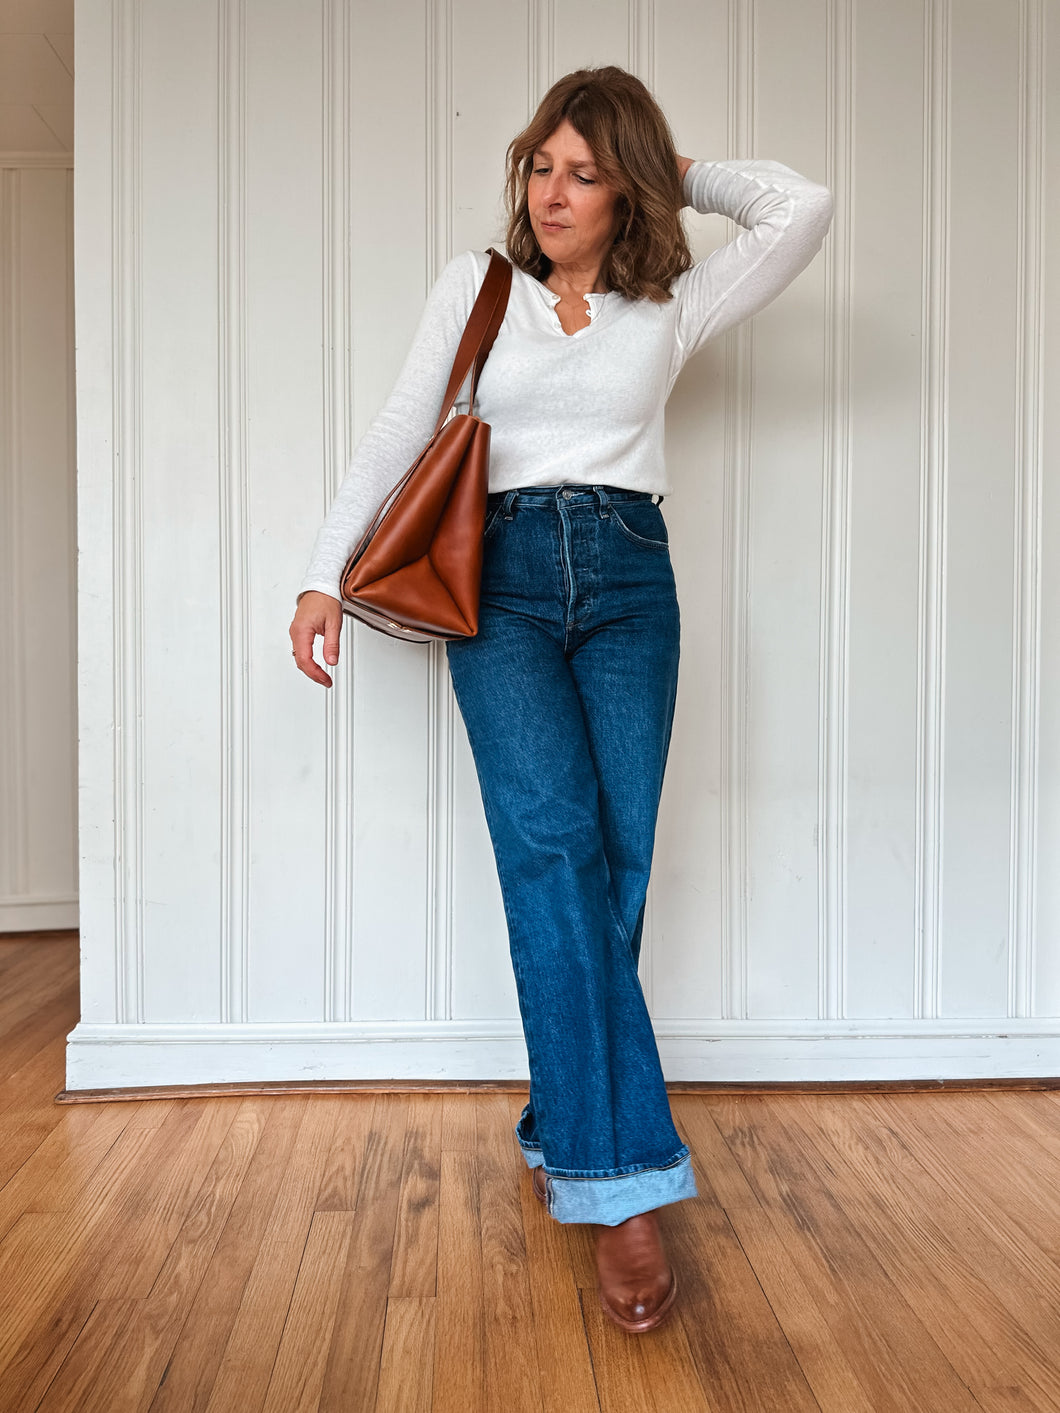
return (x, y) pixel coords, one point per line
(847, 1252)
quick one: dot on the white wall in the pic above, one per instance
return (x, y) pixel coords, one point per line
(38, 683)
(853, 875)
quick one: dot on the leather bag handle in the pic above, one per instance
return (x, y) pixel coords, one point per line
(483, 323)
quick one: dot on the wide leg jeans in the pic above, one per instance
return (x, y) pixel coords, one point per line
(567, 692)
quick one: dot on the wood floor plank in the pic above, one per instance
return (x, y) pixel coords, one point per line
(342, 1173)
(459, 1344)
(30, 1375)
(33, 975)
(458, 1123)
(72, 1144)
(43, 1025)
(964, 1288)
(727, 1320)
(351, 1378)
(721, 1180)
(35, 1080)
(977, 1175)
(669, 1366)
(89, 1374)
(566, 1368)
(618, 1369)
(246, 1365)
(32, 996)
(298, 1374)
(42, 1255)
(78, 1245)
(21, 1139)
(414, 1271)
(511, 1357)
(1037, 1115)
(1006, 1167)
(13, 947)
(566, 1377)
(97, 1127)
(893, 1356)
(138, 1364)
(155, 1216)
(407, 1363)
(191, 1371)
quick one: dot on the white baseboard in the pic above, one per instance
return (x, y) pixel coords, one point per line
(133, 1056)
(28, 914)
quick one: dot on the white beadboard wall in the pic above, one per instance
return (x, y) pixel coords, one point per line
(38, 570)
(853, 876)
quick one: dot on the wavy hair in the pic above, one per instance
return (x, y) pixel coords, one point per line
(634, 152)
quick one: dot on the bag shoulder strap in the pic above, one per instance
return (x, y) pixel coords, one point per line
(483, 323)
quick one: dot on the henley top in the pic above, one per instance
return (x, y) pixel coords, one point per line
(584, 408)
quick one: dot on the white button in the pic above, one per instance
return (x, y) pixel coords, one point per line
(567, 495)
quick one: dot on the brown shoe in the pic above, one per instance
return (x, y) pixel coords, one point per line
(539, 1187)
(637, 1286)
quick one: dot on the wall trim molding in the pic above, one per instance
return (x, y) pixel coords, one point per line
(36, 159)
(33, 913)
(120, 1056)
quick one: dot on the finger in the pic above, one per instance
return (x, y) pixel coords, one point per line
(332, 630)
(317, 674)
(302, 639)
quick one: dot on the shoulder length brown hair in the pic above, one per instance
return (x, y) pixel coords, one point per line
(634, 153)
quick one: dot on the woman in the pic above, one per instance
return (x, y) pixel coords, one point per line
(568, 689)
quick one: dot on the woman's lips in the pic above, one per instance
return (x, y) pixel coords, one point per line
(552, 226)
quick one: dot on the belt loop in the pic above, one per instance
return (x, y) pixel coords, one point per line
(660, 500)
(605, 503)
(509, 501)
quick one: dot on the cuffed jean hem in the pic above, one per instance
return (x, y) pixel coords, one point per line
(611, 1200)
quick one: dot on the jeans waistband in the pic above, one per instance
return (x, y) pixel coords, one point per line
(571, 494)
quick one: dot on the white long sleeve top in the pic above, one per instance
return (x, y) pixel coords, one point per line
(584, 408)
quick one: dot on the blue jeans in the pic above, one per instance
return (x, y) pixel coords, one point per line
(567, 692)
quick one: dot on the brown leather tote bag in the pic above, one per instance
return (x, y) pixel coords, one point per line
(415, 573)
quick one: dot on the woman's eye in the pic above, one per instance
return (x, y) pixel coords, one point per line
(585, 181)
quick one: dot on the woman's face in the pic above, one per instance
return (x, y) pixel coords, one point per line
(571, 212)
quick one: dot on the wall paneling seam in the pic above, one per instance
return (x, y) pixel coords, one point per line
(14, 797)
(1027, 527)
(340, 757)
(234, 513)
(541, 51)
(128, 517)
(642, 63)
(641, 19)
(71, 509)
(440, 704)
(835, 515)
(735, 567)
(931, 590)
